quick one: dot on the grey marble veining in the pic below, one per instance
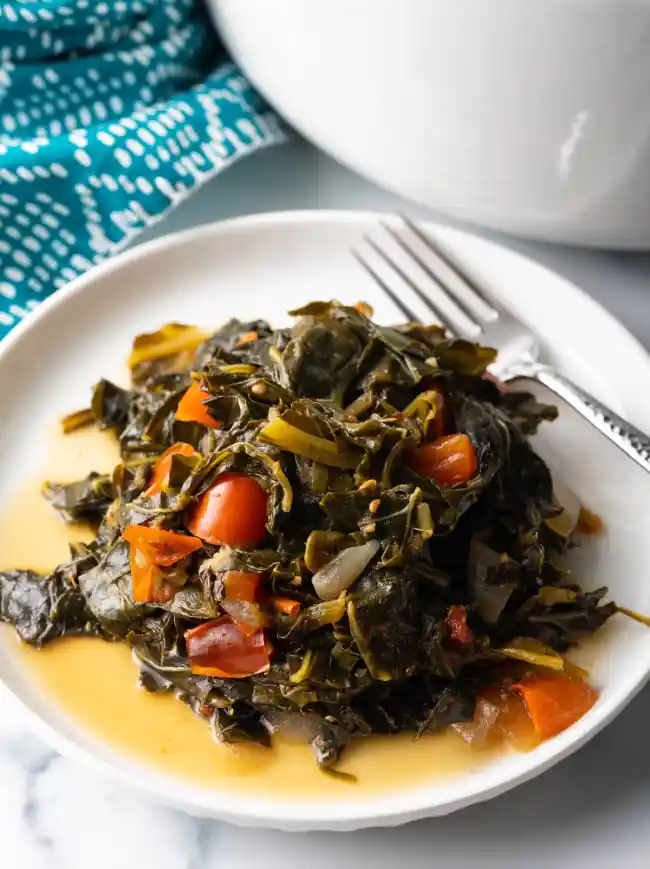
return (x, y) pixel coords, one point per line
(590, 811)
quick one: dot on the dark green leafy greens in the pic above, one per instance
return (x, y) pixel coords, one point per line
(323, 416)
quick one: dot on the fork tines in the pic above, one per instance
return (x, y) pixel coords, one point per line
(417, 273)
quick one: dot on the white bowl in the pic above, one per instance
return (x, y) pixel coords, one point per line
(526, 116)
(261, 267)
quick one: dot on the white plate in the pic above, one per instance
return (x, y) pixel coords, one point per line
(261, 267)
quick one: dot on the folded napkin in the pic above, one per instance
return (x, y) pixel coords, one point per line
(111, 113)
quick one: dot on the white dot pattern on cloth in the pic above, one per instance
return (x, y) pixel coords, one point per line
(110, 115)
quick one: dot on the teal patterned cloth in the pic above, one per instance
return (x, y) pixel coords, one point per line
(111, 113)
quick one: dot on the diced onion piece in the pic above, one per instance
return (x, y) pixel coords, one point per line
(343, 570)
(294, 726)
(514, 724)
(246, 614)
(476, 732)
(241, 589)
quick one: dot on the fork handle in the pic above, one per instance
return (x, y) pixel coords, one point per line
(619, 431)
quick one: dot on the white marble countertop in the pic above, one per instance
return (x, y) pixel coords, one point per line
(590, 811)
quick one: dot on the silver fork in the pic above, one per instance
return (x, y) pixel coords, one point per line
(448, 292)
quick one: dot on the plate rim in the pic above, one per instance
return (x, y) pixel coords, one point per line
(394, 807)
(141, 250)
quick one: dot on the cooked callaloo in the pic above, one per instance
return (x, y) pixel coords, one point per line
(331, 531)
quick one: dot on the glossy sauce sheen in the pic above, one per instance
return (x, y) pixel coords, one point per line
(96, 683)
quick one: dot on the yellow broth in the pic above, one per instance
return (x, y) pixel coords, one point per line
(96, 683)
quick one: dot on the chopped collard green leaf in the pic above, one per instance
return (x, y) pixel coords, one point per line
(341, 531)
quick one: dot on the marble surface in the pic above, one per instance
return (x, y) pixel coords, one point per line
(590, 811)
